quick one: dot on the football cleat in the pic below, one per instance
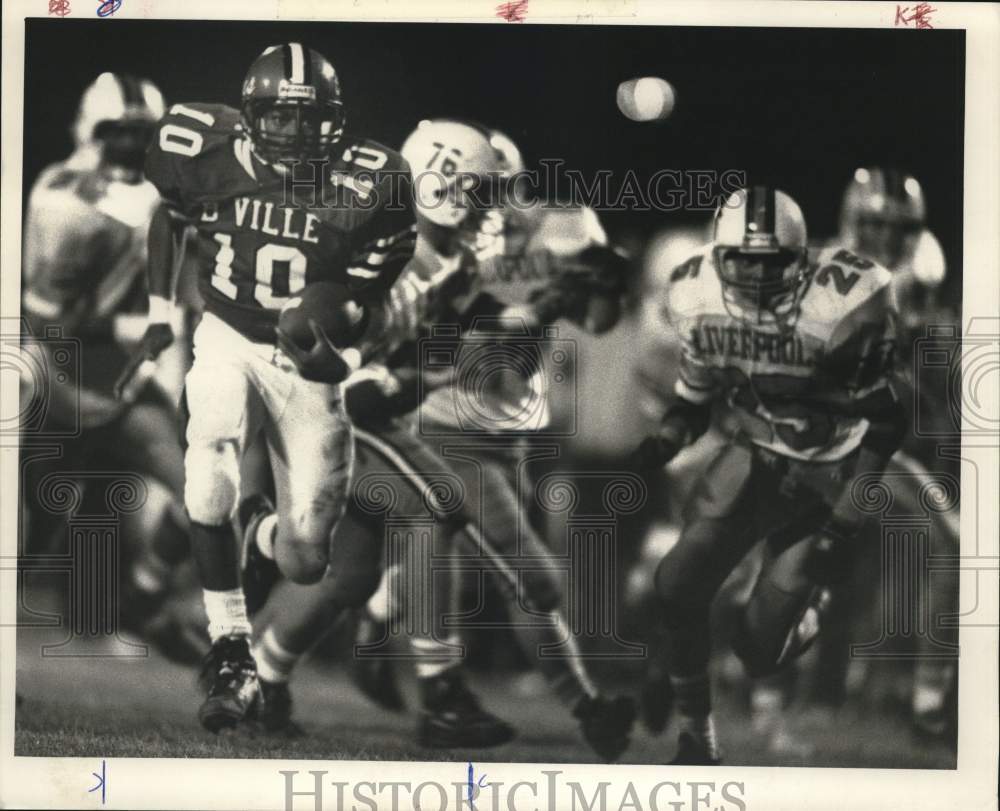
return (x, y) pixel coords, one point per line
(375, 677)
(692, 752)
(259, 573)
(229, 678)
(452, 716)
(274, 710)
(606, 724)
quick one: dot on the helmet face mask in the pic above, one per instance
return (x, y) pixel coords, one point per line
(124, 143)
(291, 107)
(291, 131)
(760, 255)
(763, 286)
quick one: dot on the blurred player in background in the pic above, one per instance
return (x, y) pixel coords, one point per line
(227, 173)
(792, 354)
(84, 257)
(457, 279)
(884, 218)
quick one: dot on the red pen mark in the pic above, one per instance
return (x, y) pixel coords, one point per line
(513, 12)
(920, 15)
(59, 7)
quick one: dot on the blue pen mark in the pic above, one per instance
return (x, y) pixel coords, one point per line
(473, 783)
(100, 781)
(108, 7)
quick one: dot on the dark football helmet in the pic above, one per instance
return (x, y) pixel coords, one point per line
(291, 107)
(760, 254)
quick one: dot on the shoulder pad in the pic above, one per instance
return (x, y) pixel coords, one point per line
(192, 153)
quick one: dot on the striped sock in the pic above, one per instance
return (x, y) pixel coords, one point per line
(274, 661)
(435, 657)
(227, 613)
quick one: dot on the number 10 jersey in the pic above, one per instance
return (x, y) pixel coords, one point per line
(264, 233)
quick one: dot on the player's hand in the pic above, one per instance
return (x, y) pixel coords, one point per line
(654, 452)
(155, 339)
(322, 363)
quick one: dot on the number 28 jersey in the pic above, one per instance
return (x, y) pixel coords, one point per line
(798, 389)
(263, 234)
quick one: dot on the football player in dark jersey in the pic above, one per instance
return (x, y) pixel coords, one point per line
(262, 235)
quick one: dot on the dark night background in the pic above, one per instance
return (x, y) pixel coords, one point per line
(801, 108)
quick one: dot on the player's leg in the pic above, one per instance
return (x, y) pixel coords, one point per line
(935, 675)
(451, 715)
(719, 529)
(145, 440)
(535, 593)
(296, 617)
(223, 411)
(311, 452)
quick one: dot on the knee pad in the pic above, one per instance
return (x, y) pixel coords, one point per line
(211, 482)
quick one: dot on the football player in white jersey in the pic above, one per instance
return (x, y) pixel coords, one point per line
(84, 256)
(791, 354)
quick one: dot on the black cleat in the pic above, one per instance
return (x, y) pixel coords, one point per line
(606, 724)
(452, 717)
(657, 702)
(375, 677)
(259, 574)
(229, 677)
(692, 752)
(274, 710)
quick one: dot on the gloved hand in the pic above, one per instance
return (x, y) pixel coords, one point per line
(156, 338)
(322, 363)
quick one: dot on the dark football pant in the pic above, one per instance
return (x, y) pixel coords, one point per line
(746, 494)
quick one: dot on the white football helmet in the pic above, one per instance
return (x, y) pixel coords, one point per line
(115, 122)
(116, 99)
(882, 215)
(760, 254)
(449, 160)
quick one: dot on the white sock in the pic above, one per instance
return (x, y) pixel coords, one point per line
(227, 613)
(267, 529)
(274, 661)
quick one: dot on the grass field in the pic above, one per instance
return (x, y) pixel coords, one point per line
(104, 707)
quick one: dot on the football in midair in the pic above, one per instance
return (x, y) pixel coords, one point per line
(331, 306)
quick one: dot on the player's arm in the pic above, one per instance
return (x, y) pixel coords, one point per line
(383, 248)
(864, 349)
(588, 284)
(683, 423)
